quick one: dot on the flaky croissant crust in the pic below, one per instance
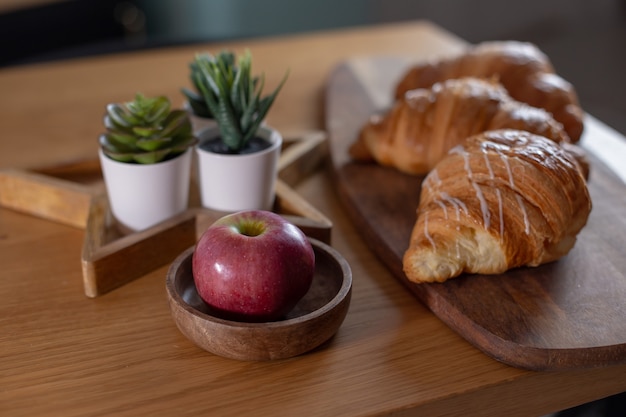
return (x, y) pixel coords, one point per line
(426, 123)
(503, 199)
(525, 72)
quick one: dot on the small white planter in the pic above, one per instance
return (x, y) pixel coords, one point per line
(232, 183)
(141, 196)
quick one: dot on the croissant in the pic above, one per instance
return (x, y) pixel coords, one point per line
(522, 68)
(422, 127)
(501, 200)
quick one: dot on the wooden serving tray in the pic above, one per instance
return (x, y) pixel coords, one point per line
(566, 314)
(74, 194)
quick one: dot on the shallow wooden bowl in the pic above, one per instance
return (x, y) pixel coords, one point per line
(314, 320)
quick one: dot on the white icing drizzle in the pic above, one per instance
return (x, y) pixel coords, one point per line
(443, 207)
(430, 239)
(467, 166)
(499, 194)
(519, 199)
(505, 160)
(458, 149)
(488, 165)
(484, 208)
(524, 213)
(432, 179)
(434, 176)
(456, 203)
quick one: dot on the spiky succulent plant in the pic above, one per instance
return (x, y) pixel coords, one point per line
(195, 97)
(233, 95)
(145, 131)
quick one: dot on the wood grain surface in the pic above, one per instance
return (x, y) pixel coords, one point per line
(63, 354)
(566, 314)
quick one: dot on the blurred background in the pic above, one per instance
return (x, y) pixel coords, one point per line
(586, 40)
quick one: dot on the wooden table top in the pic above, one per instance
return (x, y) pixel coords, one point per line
(62, 353)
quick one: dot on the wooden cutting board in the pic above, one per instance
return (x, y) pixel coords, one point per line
(566, 314)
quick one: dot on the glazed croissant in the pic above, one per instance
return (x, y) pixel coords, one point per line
(422, 127)
(503, 199)
(523, 70)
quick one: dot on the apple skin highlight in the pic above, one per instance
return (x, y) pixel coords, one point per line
(253, 266)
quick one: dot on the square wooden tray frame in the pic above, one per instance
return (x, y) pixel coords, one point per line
(74, 194)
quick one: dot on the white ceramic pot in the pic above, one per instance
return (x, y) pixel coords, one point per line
(141, 196)
(238, 182)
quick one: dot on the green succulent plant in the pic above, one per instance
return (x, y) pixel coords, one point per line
(145, 131)
(233, 95)
(195, 97)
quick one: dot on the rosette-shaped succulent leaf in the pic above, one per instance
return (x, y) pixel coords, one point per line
(145, 131)
(233, 96)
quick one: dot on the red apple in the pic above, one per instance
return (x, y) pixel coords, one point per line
(253, 266)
